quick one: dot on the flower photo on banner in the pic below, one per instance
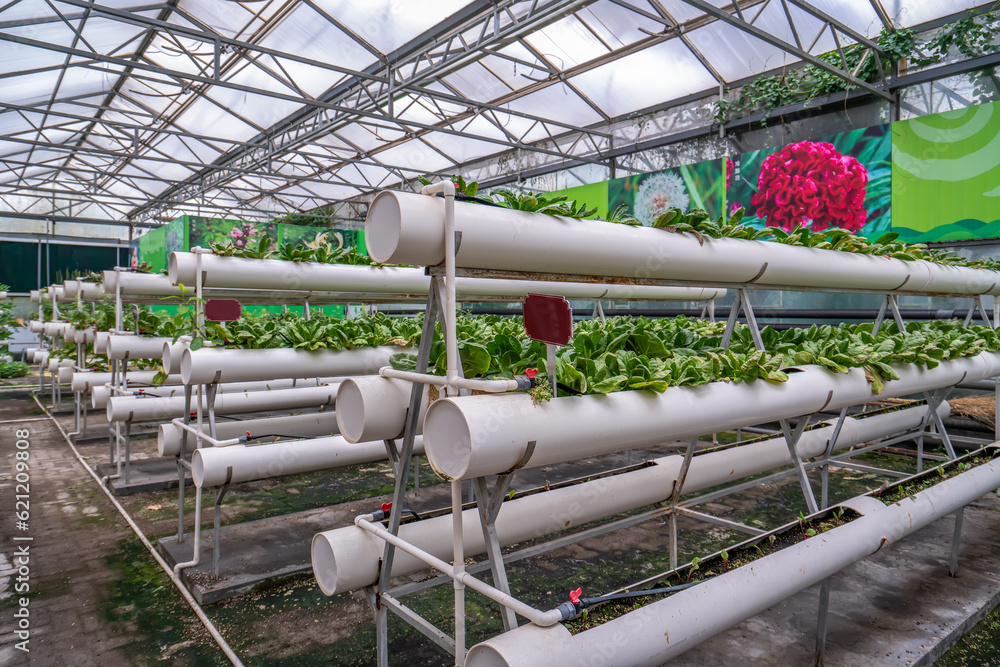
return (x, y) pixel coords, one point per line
(842, 181)
(699, 185)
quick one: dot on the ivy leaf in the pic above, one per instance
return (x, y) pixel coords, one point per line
(197, 343)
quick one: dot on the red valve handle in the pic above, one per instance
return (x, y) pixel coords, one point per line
(386, 507)
(574, 596)
(531, 373)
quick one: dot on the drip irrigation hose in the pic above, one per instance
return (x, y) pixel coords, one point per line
(199, 612)
(577, 605)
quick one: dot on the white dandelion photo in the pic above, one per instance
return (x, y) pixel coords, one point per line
(658, 193)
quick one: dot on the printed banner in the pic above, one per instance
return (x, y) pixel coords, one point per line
(839, 181)
(946, 175)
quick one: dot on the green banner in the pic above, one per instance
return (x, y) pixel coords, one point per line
(946, 175)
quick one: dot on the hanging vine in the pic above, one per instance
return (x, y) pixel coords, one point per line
(971, 36)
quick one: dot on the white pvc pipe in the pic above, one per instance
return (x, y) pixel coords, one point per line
(84, 336)
(55, 328)
(374, 408)
(34, 296)
(407, 228)
(345, 559)
(89, 380)
(101, 342)
(173, 387)
(661, 631)
(135, 347)
(276, 274)
(36, 326)
(55, 364)
(213, 365)
(471, 436)
(130, 408)
(91, 291)
(210, 465)
(311, 425)
(493, 386)
(140, 284)
(171, 354)
(64, 374)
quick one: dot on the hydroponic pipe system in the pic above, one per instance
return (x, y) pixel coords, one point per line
(407, 228)
(572, 427)
(209, 365)
(678, 623)
(172, 387)
(272, 274)
(309, 425)
(131, 408)
(215, 466)
(345, 559)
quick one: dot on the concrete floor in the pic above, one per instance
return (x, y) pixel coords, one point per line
(898, 607)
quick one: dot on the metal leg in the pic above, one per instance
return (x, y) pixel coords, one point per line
(675, 495)
(791, 439)
(416, 473)
(881, 315)
(220, 493)
(734, 313)
(825, 470)
(489, 508)
(673, 540)
(896, 315)
(824, 608)
(435, 304)
(212, 390)
(180, 465)
(128, 450)
(83, 428)
(956, 542)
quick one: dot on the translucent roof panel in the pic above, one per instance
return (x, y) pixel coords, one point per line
(388, 24)
(645, 79)
(265, 106)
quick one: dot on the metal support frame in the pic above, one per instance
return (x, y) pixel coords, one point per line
(791, 440)
(400, 460)
(891, 301)
(742, 302)
(934, 400)
(675, 496)
(956, 543)
(220, 494)
(830, 446)
(182, 464)
(821, 622)
(488, 503)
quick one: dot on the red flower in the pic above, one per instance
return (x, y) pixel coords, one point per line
(810, 184)
(729, 172)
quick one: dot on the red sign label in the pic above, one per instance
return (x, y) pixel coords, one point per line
(548, 318)
(223, 310)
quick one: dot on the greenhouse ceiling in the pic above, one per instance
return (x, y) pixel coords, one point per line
(258, 108)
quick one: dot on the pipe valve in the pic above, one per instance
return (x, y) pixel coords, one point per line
(383, 513)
